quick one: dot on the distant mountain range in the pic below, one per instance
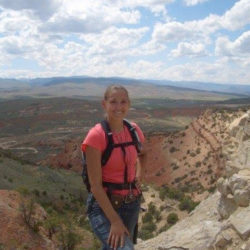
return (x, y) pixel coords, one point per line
(11, 84)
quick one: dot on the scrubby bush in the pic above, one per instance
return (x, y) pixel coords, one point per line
(164, 228)
(172, 149)
(147, 218)
(172, 218)
(27, 208)
(187, 204)
(197, 164)
(68, 238)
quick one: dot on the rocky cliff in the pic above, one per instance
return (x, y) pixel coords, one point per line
(222, 221)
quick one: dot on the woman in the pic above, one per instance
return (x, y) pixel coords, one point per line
(114, 226)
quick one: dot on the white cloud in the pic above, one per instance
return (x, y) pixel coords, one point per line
(189, 49)
(16, 22)
(194, 2)
(156, 6)
(90, 17)
(44, 9)
(106, 38)
(237, 51)
(113, 41)
(235, 18)
(238, 16)
(217, 72)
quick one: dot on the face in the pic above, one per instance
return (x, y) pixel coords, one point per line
(117, 104)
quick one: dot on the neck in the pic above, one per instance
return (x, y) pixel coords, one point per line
(115, 125)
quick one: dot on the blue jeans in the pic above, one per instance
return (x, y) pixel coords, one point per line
(101, 226)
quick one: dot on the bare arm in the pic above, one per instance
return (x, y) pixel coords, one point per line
(117, 230)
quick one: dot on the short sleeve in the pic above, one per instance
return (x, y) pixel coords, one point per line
(139, 132)
(95, 138)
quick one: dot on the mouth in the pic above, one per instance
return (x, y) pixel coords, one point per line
(119, 113)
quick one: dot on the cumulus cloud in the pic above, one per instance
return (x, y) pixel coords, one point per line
(90, 17)
(177, 31)
(189, 49)
(235, 18)
(237, 51)
(106, 38)
(238, 16)
(194, 2)
(113, 40)
(156, 6)
(44, 9)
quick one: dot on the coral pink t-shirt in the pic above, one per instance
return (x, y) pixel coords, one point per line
(114, 169)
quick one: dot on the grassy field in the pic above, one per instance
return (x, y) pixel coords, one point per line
(48, 184)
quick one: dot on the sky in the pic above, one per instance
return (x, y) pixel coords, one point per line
(178, 40)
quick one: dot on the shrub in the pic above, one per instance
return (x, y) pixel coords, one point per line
(23, 191)
(162, 193)
(145, 234)
(27, 208)
(68, 238)
(157, 216)
(52, 225)
(172, 149)
(187, 204)
(151, 208)
(147, 218)
(198, 164)
(198, 150)
(36, 192)
(175, 194)
(172, 218)
(210, 171)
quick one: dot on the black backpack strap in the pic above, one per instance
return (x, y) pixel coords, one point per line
(110, 143)
(85, 172)
(134, 135)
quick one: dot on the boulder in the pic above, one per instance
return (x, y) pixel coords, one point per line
(240, 221)
(226, 206)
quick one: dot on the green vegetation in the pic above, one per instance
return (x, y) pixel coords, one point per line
(172, 218)
(149, 220)
(186, 202)
(61, 193)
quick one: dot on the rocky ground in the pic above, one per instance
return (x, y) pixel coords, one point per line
(222, 220)
(215, 146)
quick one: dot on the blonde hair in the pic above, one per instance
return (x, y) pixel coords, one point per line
(112, 87)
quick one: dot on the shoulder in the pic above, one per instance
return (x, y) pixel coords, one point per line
(134, 124)
(97, 129)
(95, 138)
(138, 130)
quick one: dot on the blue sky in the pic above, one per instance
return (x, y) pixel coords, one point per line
(191, 40)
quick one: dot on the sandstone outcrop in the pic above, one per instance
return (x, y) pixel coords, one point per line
(222, 221)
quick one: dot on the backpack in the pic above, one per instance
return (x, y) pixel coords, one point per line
(107, 153)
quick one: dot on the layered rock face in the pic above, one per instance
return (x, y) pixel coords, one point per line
(223, 220)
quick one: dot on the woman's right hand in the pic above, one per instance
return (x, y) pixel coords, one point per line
(117, 234)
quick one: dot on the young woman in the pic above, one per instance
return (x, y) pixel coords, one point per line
(114, 226)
